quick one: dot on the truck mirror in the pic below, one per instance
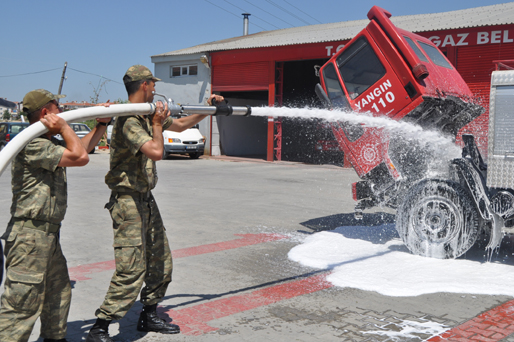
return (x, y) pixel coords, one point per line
(322, 96)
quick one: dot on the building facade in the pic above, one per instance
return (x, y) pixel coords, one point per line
(278, 68)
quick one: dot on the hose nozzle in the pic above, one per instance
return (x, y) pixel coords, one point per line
(172, 107)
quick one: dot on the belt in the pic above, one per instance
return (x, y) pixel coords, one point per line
(142, 196)
(39, 225)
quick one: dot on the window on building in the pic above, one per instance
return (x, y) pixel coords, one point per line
(175, 71)
(185, 70)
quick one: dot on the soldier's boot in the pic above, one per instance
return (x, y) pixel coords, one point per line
(149, 321)
(54, 340)
(99, 332)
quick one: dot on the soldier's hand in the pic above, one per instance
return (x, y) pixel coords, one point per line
(161, 113)
(54, 123)
(217, 98)
(106, 120)
(105, 104)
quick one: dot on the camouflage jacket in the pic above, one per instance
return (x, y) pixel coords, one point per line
(38, 185)
(130, 169)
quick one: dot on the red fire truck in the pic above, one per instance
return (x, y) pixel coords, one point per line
(387, 71)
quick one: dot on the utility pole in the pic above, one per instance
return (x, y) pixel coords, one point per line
(62, 78)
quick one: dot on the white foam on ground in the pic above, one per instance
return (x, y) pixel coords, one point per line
(411, 330)
(387, 266)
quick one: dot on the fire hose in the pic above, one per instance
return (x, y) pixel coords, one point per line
(37, 129)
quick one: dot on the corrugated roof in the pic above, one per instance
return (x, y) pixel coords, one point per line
(472, 17)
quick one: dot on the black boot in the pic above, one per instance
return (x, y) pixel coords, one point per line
(149, 321)
(99, 332)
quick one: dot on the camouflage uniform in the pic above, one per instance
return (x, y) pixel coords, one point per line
(141, 249)
(37, 283)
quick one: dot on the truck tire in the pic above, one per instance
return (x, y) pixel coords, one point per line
(438, 219)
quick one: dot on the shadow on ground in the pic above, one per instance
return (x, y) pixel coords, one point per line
(335, 221)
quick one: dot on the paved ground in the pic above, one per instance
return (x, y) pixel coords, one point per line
(230, 225)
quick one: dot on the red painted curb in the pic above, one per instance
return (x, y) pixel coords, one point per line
(490, 326)
(79, 273)
(193, 320)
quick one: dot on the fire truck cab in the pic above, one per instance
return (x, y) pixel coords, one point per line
(387, 71)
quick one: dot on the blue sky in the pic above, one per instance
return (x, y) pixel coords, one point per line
(101, 39)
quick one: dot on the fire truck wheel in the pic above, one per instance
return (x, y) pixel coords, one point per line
(438, 219)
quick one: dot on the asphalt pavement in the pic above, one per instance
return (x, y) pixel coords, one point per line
(231, 223)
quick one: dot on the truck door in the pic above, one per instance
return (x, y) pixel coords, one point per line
(360, 79)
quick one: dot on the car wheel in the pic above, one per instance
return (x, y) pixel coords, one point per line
(195, 155)
(438, 219)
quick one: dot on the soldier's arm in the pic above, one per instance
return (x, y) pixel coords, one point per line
(154, 148)
(181, 124)
(90, 140)
(75, 154)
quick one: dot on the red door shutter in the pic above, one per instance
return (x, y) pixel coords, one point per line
(240, 77)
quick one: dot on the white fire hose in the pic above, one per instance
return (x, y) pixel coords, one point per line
(37, 129)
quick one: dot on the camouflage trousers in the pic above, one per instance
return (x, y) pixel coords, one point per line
(141, 252)
(37, 284)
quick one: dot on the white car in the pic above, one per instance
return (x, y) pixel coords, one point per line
(190, 142)
(81, 129)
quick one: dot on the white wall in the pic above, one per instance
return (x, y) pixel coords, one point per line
(188, 90)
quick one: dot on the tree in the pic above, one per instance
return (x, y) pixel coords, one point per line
(6, 115)
(97, 90)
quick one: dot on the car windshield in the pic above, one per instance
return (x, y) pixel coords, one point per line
(15, 129)
(80, 127)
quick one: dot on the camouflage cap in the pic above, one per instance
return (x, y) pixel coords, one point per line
(36, 99)
(137, 73)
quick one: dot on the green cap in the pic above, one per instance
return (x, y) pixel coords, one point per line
(36, 99)
(137, 73)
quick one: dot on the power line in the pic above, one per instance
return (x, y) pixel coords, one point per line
(288, 12)
(270, 14)
(232, 13)
(253, 15)
(40, 72)
(307, 14)
(31, 73)
(84, 72)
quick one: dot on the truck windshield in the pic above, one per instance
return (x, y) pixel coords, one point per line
(360, 67)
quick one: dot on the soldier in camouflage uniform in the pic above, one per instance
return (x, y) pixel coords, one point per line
(141, 249)
(37, 282)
